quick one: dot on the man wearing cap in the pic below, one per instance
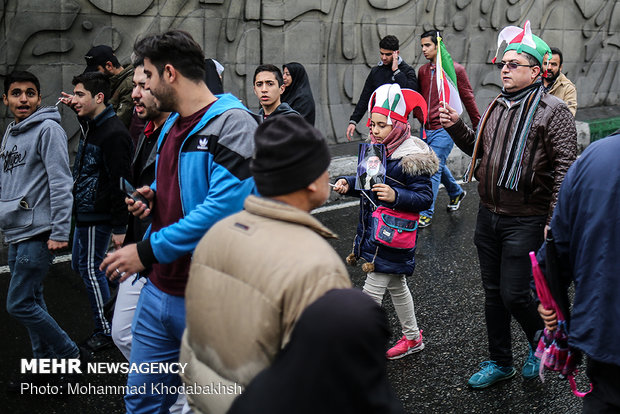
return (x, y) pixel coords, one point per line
(102, 59)
(255, 272)
(391, 69)
(525, 143)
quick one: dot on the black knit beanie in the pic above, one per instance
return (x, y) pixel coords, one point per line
(290, 155)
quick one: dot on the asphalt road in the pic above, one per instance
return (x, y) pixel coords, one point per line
(449, 307)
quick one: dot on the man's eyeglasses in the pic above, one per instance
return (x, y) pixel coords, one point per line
(511, 65)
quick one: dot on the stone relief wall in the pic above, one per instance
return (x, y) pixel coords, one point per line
(336, 40)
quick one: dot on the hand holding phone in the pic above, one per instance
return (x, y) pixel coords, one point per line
(132, 193)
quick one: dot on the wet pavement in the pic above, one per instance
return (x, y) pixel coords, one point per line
(449, 307)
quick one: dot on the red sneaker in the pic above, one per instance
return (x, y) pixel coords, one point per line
(405, 347)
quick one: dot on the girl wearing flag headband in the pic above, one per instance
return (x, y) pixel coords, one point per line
(386, 232)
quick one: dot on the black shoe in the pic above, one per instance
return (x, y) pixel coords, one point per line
(97, 342)
(455, 202)
(85, 356)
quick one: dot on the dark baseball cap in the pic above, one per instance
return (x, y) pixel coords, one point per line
(98, 56)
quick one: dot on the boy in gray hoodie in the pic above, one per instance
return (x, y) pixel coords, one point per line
(35, 212)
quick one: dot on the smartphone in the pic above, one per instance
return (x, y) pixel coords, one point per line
(131, 192)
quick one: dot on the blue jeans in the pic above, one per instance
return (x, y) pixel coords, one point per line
(441, 142)
(503, 244)
(157, 329)
(29, 262)
(90, 244)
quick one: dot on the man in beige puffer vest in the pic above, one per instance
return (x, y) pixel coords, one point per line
(254, 273)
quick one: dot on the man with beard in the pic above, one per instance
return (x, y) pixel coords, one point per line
(202, 175)
(102, 59)
(373, 174)
(556, 82)
(524, 145)
(143, 174)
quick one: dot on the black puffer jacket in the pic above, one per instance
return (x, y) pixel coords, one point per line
(104, 155)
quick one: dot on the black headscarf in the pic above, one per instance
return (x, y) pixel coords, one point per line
(334, 363)
(212, 78)
(299, 94)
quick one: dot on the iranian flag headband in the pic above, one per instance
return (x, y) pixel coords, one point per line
(395, 103)
(522, 40)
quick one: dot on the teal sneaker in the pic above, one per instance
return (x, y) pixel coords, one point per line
(489, 374)
(531, 366)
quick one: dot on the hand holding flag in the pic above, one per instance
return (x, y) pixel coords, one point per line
(446, 78)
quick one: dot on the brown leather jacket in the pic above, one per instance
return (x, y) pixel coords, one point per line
(550, 150)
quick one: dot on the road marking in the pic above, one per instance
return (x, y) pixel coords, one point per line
(325, 209)
(338, 206)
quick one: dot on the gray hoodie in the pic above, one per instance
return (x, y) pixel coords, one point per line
(35, 179)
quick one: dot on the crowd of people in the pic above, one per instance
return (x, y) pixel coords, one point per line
(190, 210)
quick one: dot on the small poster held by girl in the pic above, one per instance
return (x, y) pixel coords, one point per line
(370, 166)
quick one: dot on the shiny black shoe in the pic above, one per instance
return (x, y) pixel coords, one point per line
(97, 342)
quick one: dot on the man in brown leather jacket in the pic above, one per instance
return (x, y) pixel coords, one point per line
(525, 143)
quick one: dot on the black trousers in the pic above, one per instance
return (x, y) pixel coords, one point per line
(605, 395)
(504, 243)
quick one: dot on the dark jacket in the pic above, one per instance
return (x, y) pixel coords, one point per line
(586, 229)
(282, 109)
(121, 86)
(104, 155)
(143, 173)
(550, 150)
(380, 75)
(408, 172)
(428, 88)
(339, 375)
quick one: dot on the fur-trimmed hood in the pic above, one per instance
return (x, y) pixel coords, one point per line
(417, 158)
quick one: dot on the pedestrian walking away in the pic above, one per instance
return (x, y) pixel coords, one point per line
(585, 257)
(241, 313)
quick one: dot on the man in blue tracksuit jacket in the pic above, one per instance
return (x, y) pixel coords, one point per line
(202, 175)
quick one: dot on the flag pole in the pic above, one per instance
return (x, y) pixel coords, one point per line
(442, 92)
